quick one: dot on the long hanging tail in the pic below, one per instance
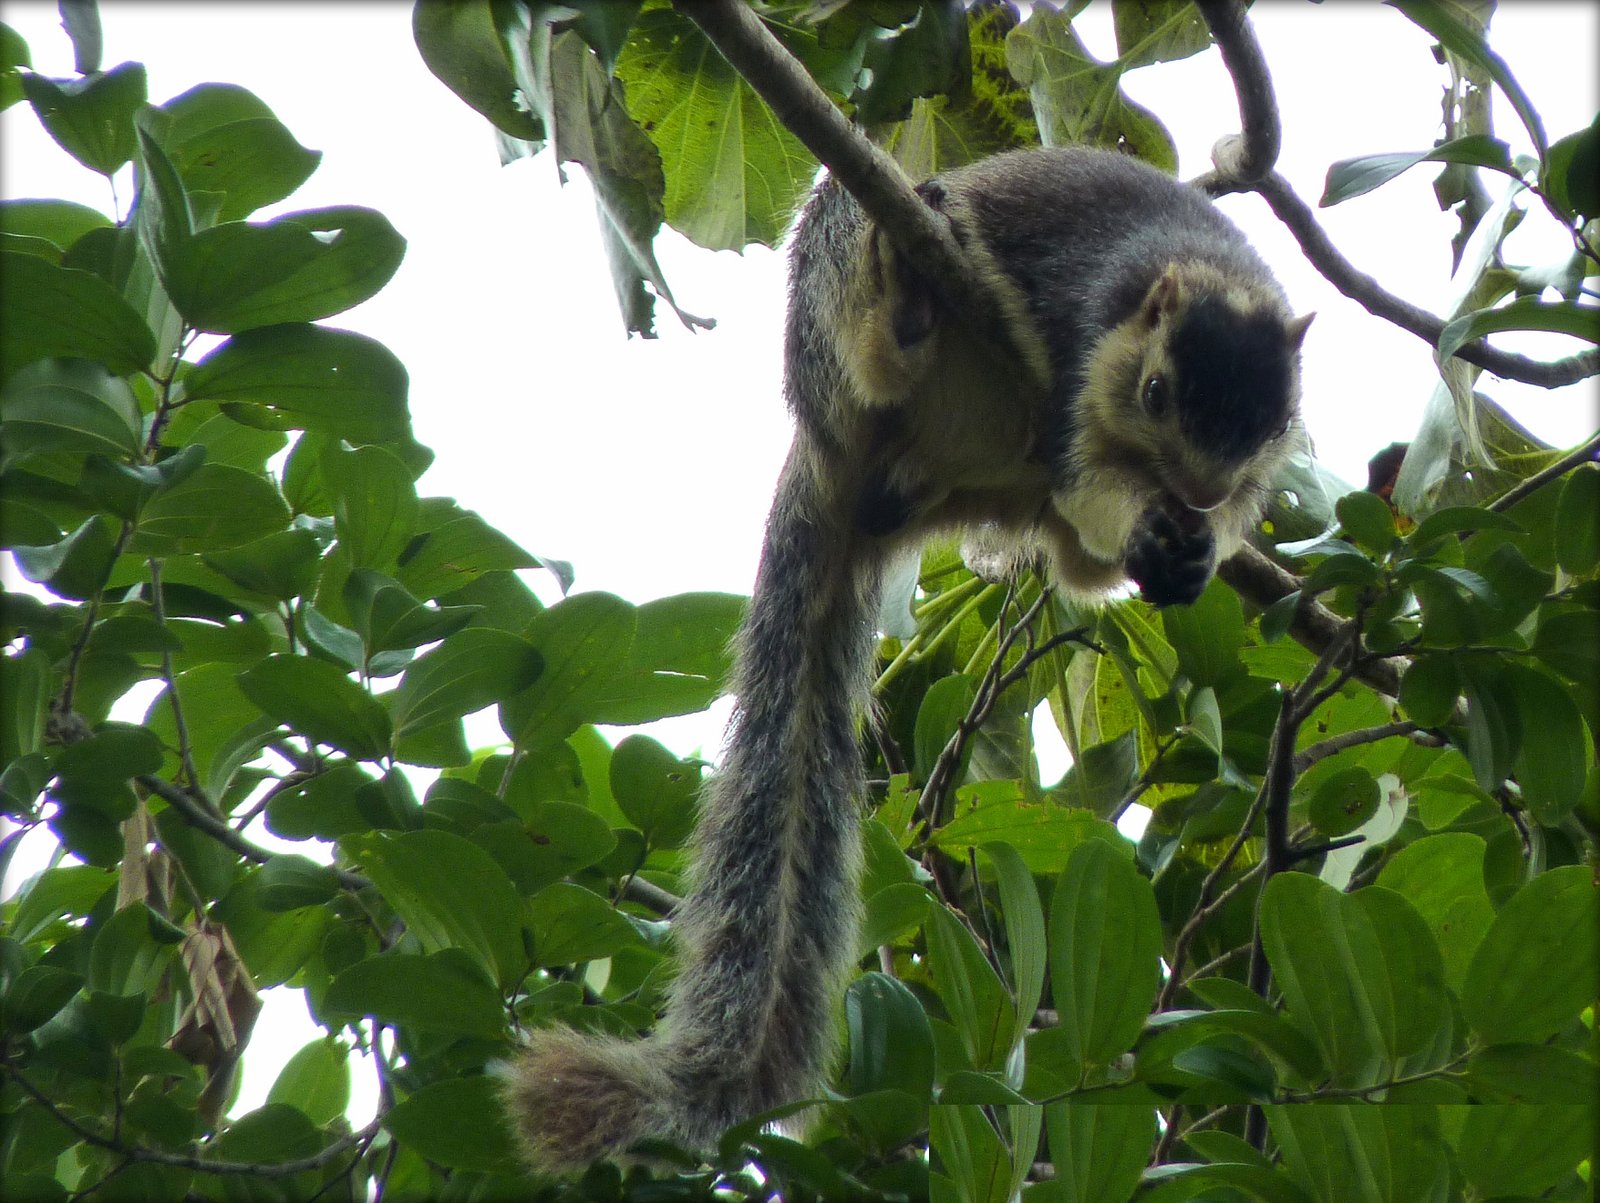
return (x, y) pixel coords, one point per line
(767, 934)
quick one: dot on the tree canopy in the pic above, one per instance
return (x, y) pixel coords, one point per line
(1350, 959)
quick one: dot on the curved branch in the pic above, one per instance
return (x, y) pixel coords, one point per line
(198, 816)
(864, 170)
(1378, 301)
(1244, 158)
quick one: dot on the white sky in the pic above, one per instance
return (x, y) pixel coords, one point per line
(650, 464)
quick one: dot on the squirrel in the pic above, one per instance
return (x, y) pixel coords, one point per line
(1132, 432)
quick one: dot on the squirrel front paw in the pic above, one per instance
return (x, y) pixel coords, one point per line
(1172, 555)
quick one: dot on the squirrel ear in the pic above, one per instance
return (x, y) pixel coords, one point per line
(1295, 330)
(1164, 298)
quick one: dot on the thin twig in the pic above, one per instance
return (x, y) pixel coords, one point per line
(1580, 455)
(1378, 301)
(1353, 739)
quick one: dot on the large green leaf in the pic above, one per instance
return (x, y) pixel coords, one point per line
(1105, 953)
(1355, 177)
(318, 700)
(458, 1122)
(1207, 635)
(734, 174)
(462, 46)
(469, 671)
(1524, 1150)
(1356, 1153)
(972, 993)
(69, 405)
(47, 310)
(444, 992)
(215, 508)
(450, 893)
(1044, 835)
(225, 140)
(1524, 313)
(91, 118)
(655, 790)
(1577, 534)
(1442, 877)
(1553, 753)
(891, 1044)
(1098, 1152)
(1537, 965)
(374, 503)
(571, 924)
(296, 268)
(303, 377)
(1361, 974)
(316, 1080)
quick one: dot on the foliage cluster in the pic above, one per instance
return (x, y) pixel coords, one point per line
(1352, 957)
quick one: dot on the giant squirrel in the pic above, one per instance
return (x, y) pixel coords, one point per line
(1150, 395)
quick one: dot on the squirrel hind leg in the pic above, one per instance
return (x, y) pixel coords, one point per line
(576, 1097)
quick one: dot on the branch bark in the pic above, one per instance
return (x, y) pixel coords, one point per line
(1244, 158)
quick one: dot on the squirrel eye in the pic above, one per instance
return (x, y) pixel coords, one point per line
(1155, 394)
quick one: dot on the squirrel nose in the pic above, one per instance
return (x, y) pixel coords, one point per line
(1201, 496)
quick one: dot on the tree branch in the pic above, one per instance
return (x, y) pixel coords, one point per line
(1242, 159)
(1378, 301)
(1580, 455)
(1255, 576)
(865, 171)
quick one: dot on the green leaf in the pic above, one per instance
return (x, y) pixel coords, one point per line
(300, 267)
(469, 671)
(945, 704)
(584, 641)
(456, 552)
(1099, 1152)
(270, 1135)
(445, 992)
(1360, 973)
(302, 377)
(1025, 934)
(462, 47)
(1367, 519)
(126, 958)
(1536, 967)
(289, 882)
(283, 565)
(1532, 1073)
(1453, 520)
(388, 618)
(1577, 532)
(318, 700)
(1207, 635)
(1492, 732)
(1552, 755)
(316, 1080)
(1524, 1150)
(91, 118)
(69, 405)
(1355, 177)
(1343, 801)
(37, 994)
(733, 174)
(53, 311)
(213, 509)
(1442, 877)
(1043, 835)
(374, 503)
(891, 1043)
(1105, 953)
(1524, 313)
(971, 991)
(571, 924)
(58, 222)
(655, 790)
(1357, 1153)
(1429, 689)
(450, 893)
(222, 143)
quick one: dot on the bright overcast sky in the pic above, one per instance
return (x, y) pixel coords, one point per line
(650, 464)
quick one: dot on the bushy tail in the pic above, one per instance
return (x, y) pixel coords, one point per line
(767, 934)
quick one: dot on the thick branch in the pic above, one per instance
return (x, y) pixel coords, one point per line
(1243, 159)
(1253, 575)
(865, 171)
(1378, 301)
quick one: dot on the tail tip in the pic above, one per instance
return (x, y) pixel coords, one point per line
(574, 1097)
